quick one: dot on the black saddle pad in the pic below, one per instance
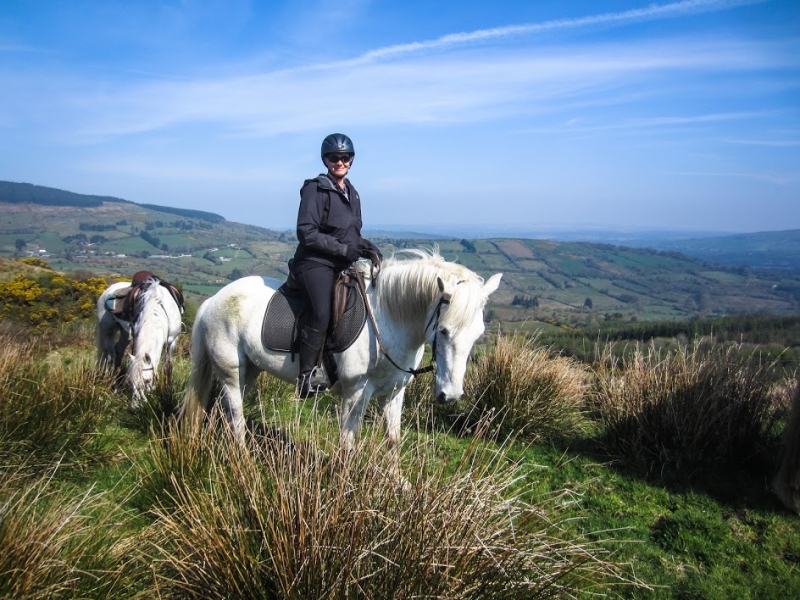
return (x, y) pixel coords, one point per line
(279, 330)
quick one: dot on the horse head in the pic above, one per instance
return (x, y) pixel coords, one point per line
(141, 375)
(456, 323)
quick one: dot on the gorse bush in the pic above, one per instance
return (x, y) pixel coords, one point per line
(678, 412)
(531, 394)
(49, 300)
(290, 519)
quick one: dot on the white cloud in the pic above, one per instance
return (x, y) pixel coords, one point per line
(452, 87)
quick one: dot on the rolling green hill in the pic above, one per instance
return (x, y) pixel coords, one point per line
(565, 284)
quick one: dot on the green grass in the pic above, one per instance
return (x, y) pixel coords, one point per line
(142, 512)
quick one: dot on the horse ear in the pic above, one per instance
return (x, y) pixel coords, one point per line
(443, 288)
(491, 285)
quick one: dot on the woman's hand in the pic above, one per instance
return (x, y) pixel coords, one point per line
(352, 254)
(374, 256)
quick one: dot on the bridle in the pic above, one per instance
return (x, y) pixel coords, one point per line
(434, 319)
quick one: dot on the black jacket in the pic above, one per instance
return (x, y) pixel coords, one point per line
(327, 223)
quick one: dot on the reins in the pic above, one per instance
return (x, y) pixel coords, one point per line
(435, 315)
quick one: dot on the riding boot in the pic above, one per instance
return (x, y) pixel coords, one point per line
(311, 380)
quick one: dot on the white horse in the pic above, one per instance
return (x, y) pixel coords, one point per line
(423, 299)
(154, 326)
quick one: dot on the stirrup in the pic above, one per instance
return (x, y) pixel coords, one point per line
(311, 383)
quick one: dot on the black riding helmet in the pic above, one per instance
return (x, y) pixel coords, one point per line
(339, 143)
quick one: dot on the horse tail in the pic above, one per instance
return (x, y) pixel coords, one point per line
(198, 390)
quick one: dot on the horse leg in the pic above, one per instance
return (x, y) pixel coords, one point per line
(168, 360)
(351, 414)
(120, 346)
(392, 407)
(105, 336)
(233, 379)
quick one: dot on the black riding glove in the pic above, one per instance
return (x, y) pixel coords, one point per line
(374, 256)
(352, 254)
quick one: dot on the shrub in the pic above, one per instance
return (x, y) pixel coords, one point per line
(680, 411)
(49, 300)
(285, 519)
(531, 394)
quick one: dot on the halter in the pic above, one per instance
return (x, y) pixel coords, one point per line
(436, 313)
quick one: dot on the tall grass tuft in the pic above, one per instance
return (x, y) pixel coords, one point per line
(153, 413)
(49, 408)
(300, 519)
(677, 412)
(531, 394)
(56, 545)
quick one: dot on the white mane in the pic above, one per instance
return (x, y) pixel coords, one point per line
(406, 289)
(151, 323)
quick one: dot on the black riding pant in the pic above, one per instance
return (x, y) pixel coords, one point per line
(316, 283)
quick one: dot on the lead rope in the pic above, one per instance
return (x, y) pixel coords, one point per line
(414, 372)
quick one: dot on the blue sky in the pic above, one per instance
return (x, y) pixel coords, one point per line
(623, 115)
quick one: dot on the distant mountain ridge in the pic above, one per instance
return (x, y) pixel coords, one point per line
(766, 249)
(22, 193)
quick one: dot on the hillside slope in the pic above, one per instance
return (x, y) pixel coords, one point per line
(565, 283)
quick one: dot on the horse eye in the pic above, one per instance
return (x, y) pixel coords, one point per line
(445, 332)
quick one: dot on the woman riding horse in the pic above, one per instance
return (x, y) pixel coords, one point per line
(329, 235)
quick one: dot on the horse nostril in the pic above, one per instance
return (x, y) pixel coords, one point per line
(441, 398)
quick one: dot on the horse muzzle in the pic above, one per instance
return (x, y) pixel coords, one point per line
(443, 398)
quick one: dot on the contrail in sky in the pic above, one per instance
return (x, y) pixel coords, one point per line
(654, 11)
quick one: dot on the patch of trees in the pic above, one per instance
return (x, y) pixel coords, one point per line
(150, 239)
(469, 246)
(186, 212)
(21, 193)
(96, 227)
(78, 237)
(525, 301)
(751, 329)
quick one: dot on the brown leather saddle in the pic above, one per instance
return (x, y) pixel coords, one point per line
(122, 303)
(284, 316)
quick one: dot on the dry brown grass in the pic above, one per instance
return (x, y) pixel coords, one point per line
(679, 411)
(528, 393)
(289, 519)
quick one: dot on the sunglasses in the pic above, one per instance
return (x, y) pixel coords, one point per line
(335, 158)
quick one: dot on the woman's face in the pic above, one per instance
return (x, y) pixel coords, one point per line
(338, 164)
